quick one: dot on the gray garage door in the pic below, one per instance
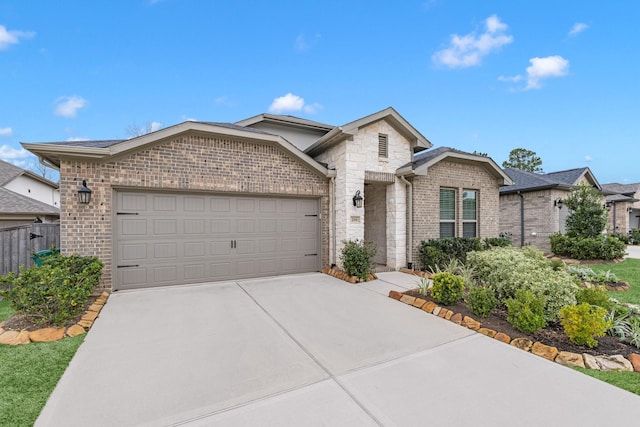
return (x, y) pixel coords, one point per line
(167, 239)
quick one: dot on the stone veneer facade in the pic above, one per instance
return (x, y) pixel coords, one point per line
(351, 159)
(184, 163)
(458, 176)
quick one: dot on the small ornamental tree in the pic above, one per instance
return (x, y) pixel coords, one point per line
(587, 215)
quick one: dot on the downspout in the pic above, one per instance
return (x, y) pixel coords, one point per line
(409, 221)
(521, 219)
(332, 221)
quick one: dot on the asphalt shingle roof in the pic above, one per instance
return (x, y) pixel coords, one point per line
(617, 188)
(14, 203)
(8, 172)
(528, 181)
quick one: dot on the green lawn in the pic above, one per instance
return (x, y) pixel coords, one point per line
(28, 375)
(629, 381)
(629, 271)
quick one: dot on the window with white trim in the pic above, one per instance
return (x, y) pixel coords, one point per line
(469, 213)
(447, 212)
(383, 145)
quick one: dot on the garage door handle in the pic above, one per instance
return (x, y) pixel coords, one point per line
(310, 254)
(234, 244)
(127, 266)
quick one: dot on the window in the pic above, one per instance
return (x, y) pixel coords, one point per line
(469, 213)
(447, 212)
(383, 145)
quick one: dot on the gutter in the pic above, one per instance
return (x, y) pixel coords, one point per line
(521, 218)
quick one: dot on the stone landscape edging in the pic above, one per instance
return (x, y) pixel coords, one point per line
(602, 363)
(11, 337)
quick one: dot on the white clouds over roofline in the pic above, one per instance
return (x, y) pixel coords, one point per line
(578, 28)
(68, 106)
(6, 131)
(292, 103)
(8, 38)
(539, 70)
(7, 152)
(469, 50)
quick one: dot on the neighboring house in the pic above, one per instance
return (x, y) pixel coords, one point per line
(531, 208)
(29, 184)
(26, 197)
(269, 195)
(16, 209)
(623, 205)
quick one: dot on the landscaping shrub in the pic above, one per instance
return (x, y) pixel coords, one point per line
(526, 311)
(495, 242)
(446, 249)
(586, 274)
(55, 292)
(623, 237)
(634, 236)
(357, 258)
(583, 323)
(481, 300)
(447, 288)
(509, 270)
(606, 248)
(587, 217)
(595, 296)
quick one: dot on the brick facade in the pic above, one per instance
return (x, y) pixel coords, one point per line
(186, 163)
(458, 176)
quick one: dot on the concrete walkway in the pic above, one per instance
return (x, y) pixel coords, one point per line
(633, 252)
(310, 350)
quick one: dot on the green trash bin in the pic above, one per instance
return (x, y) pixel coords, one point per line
(40, 256)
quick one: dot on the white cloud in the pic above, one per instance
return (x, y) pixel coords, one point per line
(6, 131)
(578, 28)
(154, 126)
(511, 79)
(544, 68)
(7, 38)
(303, 44)
(291, 102)
(68, 106)
(588, 158)
(7, 152)
(468, 50)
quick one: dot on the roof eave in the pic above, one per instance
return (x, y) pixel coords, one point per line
(489, 164)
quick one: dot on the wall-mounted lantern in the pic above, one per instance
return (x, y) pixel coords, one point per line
(84, 193)
(559, 203)
(357, 199)
(607, 205)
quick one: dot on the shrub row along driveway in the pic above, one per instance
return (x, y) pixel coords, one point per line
(310, 350)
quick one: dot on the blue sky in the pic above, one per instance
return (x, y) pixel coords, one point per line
(555, 77)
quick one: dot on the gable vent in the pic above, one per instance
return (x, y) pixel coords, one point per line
(383, 145)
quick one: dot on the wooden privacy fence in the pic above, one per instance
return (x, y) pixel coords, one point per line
(18, 243)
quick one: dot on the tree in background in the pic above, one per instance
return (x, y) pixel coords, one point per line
(588, 216)
(523, 159)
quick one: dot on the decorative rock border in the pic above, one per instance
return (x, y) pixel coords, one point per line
(603, 363)
(339, 274)
(55, 334)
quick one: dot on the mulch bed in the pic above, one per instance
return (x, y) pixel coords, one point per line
(552, 335)
(19, 322)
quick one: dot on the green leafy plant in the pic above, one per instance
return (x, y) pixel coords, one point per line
(587, 216)
(481, 300)
(526, 311)
(447, 288)
(595, 296)
(496, 242)
(435, 253)
(357, 258)
(633, 337)
(606, 248)
(583, 323)
(618, 324)
(54, 292)
(423, 285)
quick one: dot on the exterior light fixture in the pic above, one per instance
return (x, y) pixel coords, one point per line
(559, 203)
(357, 199)
(608, 205)
(84, 193)
(629, 210)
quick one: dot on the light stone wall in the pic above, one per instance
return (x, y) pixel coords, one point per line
(458, 176)
(351, 158)
(186, 163)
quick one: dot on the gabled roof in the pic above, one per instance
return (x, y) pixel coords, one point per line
(530, 181)
(287, 120)
(424, 160)
(14, 203)
(52, 152)
(616, 188)
(9, 172)
(390, 115)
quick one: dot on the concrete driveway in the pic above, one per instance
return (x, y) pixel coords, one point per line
(310, 350)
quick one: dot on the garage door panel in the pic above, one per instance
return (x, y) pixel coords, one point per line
(166, 239)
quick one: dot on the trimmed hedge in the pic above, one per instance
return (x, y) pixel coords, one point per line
(55, 292)
(435, 253)
(606, 248)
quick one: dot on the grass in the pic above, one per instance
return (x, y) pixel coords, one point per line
(629, 381)
(29, 373)
(629, 271)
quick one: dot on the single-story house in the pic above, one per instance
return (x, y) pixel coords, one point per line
(623, 203)
(268, 195)
(531, 209)
(29, 184)
(16, 209)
